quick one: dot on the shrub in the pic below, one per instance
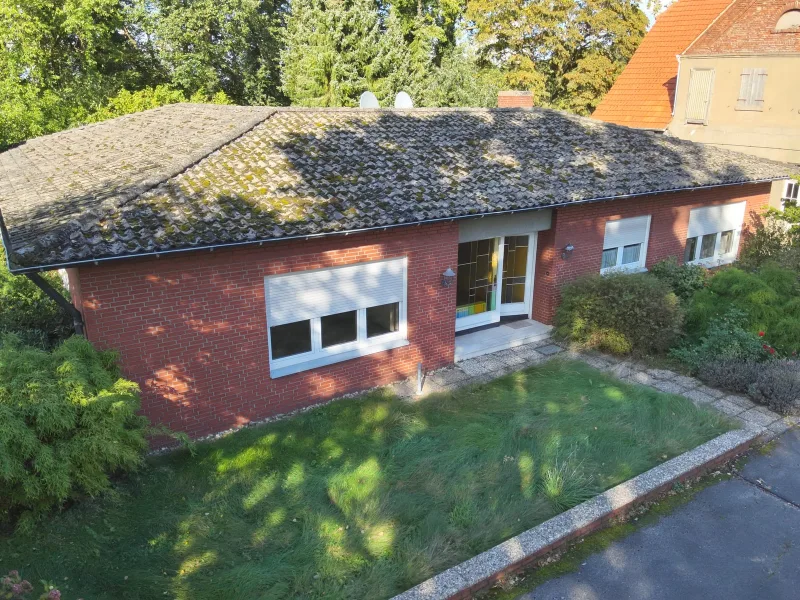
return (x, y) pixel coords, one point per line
(776, 239)
(730, 374)
(684, 280)
(777, 386)
(620, 314)
(28, 313)
(67, 421)
(725, 340)
(768, 299)
(14, 587)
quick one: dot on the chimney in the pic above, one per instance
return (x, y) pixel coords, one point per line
(513, 99)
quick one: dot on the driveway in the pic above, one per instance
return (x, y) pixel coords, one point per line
(739, 539)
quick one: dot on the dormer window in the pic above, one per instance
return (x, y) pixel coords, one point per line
(789, 21)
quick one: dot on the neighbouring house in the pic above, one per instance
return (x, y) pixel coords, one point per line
(248, 261)
(719, 72)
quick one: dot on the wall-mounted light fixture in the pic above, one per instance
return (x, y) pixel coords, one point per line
(567, 251)
(448, 277)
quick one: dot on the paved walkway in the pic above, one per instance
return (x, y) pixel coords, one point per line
(737, 540)
(490, 366)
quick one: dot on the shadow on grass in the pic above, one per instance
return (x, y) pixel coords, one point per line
(366, 497)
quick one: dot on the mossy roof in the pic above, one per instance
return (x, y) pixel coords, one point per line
(191, 176)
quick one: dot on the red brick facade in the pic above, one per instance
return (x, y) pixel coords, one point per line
(514, 100)
(748, 27)
(191, 328)
(583, 226)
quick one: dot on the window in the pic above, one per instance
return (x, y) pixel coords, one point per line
(325, 316)
(290, 339)
(751, 90)
(789, 21)
(714, 232)
(625, 244)
(698, 101)
(383, 319)
(791, 194)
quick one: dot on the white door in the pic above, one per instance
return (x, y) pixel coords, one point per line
(494, 279)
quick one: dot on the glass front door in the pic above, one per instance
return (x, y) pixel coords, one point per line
(477, 279)
(494, 279)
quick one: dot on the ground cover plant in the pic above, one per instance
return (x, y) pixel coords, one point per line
(365, 497)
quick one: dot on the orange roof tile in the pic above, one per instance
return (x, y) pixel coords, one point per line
(642, 95)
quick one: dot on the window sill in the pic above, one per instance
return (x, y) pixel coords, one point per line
(710, 263)
(276, 369)
(623, 270)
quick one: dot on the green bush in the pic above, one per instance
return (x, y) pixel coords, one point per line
(776, 239)
(27, 312)
(726, 339)
(768, 299)
(732, 374)
(620, 314)
(684, 280)
(67, 422)
(777, 386)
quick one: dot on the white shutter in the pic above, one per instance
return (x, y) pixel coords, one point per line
(625, 232)
(713, 219)
(700, 83)
(751, 90)
(309, 294)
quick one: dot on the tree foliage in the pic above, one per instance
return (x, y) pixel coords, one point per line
(567, 52)
(67, 421)
(68, 62)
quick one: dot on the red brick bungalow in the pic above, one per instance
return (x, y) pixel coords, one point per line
(250, 261)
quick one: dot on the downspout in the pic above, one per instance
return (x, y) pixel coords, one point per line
(42, 283)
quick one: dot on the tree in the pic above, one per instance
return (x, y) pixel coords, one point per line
(459, 81)
(210, 46)
(558, 48)
(127, 102)
(331, 46)
(59, 60)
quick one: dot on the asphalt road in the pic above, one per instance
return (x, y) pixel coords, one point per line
(737, 540)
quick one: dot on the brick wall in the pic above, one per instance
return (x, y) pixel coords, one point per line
(749, 27)
(192, 331)
(583, 226)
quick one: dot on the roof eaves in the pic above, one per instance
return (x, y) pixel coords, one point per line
(261, 242)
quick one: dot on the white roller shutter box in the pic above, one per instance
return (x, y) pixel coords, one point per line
(626, 232)
(714, 219)
(305, 295)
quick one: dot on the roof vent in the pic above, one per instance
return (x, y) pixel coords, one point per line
(368, 100)
(403, 100)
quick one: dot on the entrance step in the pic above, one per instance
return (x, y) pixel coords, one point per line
(502, 337)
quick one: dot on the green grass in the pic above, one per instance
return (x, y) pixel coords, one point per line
(362, 498)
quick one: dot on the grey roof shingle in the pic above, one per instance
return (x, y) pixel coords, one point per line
(186, 176)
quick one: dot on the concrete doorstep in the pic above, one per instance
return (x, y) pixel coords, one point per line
(483, 570)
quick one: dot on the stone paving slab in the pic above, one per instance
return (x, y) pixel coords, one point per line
(550, 349)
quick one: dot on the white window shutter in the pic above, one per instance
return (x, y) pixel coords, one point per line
(714, 219)
(625, 232)
(745, 89)
(701, 82)
(308, 294)
(759, 82)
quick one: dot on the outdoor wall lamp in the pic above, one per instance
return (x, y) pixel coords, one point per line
(567, 251)
(448, 277)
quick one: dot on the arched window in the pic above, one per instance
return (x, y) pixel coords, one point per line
(790, 20)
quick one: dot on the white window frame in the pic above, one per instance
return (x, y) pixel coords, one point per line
(717, 259)
(637, 267)
(788, 195)
(362, 346)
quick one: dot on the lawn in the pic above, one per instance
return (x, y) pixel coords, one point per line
(362, 498)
